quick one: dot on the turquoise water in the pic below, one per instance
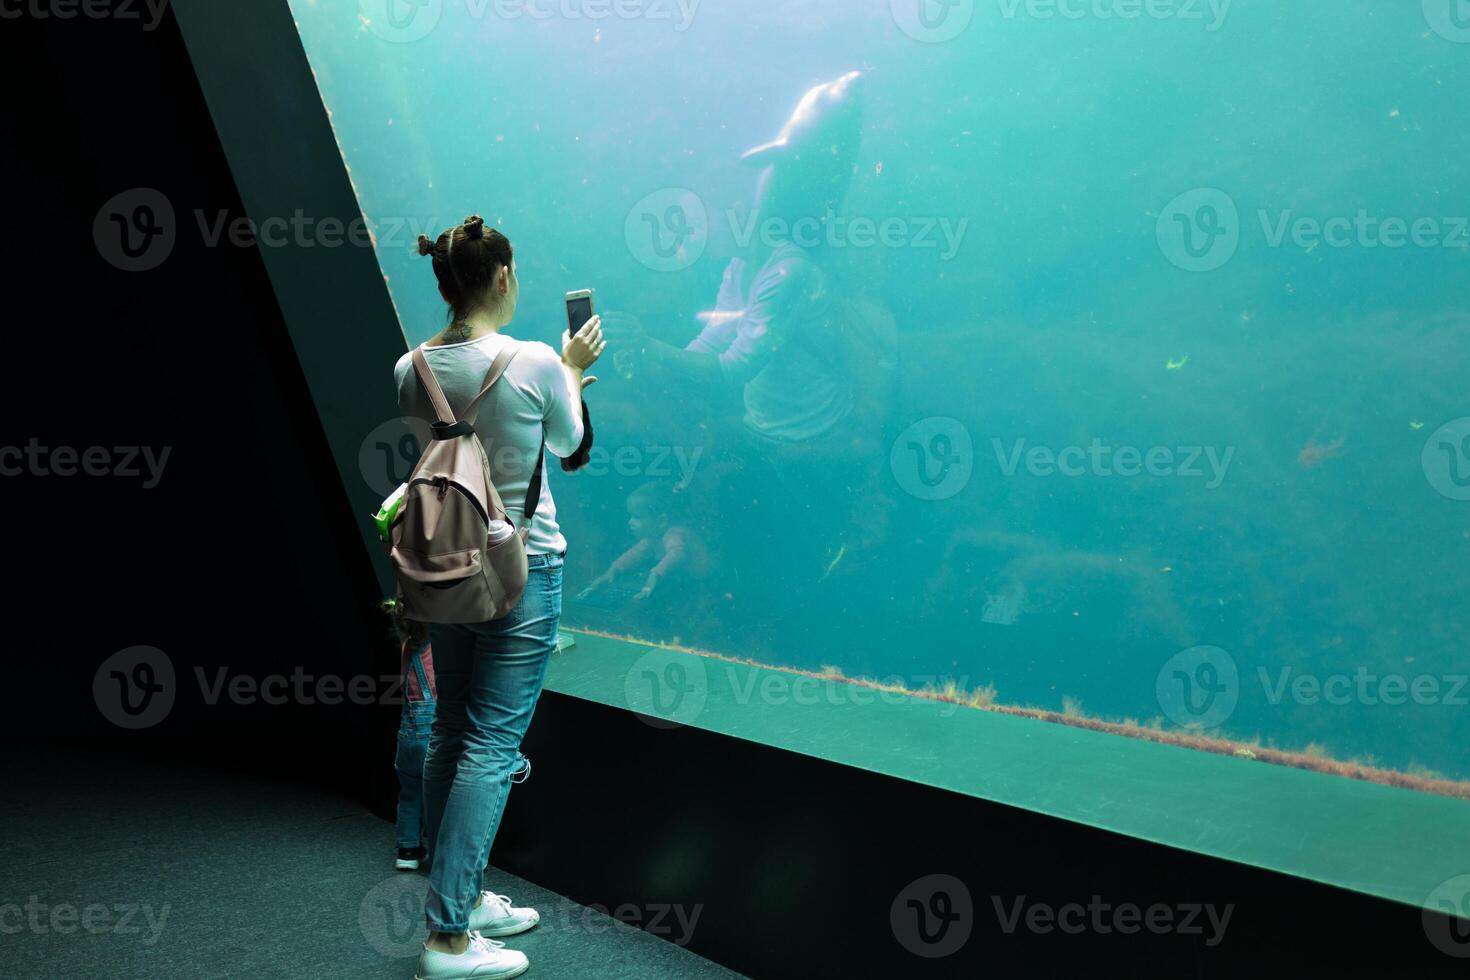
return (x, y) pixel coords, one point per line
(1152, 315)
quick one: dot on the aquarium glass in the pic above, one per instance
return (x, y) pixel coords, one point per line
(1104, 359)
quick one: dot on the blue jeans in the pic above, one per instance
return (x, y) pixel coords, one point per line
(413, 741)
(489, 677)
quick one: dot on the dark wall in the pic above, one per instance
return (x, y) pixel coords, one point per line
(245, 556)
(789, 866)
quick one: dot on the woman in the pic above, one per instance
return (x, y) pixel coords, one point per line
(489, 675)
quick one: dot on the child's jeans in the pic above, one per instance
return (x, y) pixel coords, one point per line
(413, 742)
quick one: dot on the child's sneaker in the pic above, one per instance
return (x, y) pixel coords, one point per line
(495, 917)
(485, 959)
(409, 858)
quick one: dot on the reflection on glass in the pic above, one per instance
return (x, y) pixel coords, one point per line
(1108, 370)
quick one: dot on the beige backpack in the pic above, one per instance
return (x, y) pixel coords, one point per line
(453, 549)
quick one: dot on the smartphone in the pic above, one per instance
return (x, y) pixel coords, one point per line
(579, 310)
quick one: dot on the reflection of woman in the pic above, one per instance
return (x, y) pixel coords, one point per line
(777, 329)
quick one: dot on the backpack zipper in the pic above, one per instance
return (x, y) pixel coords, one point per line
(444, 485)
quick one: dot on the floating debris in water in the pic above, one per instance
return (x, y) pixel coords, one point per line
(1314, 454)
(1174, 365)
(1004, 608)
(1416, 425)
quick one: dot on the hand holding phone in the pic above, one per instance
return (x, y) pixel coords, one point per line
(581, 351)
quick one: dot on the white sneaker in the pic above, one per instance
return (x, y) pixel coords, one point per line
(485, 959)
(495, 917)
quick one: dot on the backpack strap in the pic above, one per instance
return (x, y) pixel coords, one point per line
(472, 411)
(497, 368)
(431, 385)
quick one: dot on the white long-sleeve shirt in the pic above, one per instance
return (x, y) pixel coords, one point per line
(531, 399)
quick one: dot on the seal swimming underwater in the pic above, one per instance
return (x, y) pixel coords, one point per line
(827, 121)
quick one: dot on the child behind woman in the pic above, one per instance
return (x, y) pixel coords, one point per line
(416, 665)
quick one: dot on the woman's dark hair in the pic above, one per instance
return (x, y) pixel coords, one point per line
(466, 262)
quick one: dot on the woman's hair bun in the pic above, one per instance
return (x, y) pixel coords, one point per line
(426, 247)
(474, 226)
